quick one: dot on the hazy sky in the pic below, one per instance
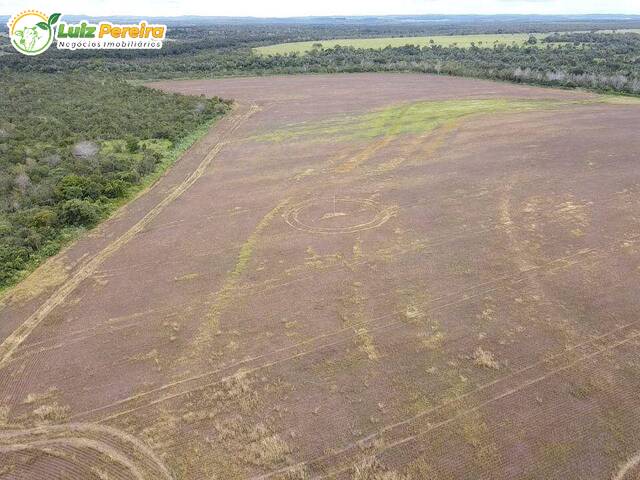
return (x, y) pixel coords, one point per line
(287, 8)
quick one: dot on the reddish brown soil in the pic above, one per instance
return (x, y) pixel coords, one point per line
(460, 304)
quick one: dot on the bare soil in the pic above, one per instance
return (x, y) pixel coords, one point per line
(302, 298)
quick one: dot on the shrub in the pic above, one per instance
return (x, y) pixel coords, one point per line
(55, 172)
(132, 144)
(13, 260)
(115, 189)
(75, 186)
(37, 218)
(79, 212)
(148, 163)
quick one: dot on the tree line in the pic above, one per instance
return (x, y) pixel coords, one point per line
(72, 148)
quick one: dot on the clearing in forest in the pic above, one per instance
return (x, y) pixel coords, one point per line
(370, 276)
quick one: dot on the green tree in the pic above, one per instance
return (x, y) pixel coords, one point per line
(79, 212)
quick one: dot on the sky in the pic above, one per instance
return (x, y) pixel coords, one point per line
(289, 8)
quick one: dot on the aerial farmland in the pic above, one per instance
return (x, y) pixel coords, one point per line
(366, 276)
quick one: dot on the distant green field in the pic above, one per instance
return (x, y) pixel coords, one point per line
(463, 41)
(624, 30)
(444, 40)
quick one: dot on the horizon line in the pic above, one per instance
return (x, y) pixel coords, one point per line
(258, 17)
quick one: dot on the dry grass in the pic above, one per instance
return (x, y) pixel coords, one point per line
(414, 313)
(244, 257)
(152, 356)
(49, 275)
(477, 434)
(484, 358)
(4, 416)
(51, 413)
(366, 344)
(40, 397)
(370, 469)
(296, 473)
(269, 450)
(431, 341)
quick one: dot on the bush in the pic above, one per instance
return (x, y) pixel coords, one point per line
(148, 163)
(132, 144)
(79, 213)
(75, 186)
(56, 174)
(13, 260)
(37, 218)
(115, 189)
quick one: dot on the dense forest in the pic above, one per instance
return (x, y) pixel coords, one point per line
(601, 61)
(77, 136)
(72, 148)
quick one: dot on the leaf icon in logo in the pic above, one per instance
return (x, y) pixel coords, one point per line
(53, 18)
(43, 25)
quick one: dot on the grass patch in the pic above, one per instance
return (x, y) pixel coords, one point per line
(244, 257)
(413, 118)
(462, 41)
(421, 117)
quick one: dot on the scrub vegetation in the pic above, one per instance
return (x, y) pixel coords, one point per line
(73, 148)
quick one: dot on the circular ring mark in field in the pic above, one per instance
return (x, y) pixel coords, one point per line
(337, 215)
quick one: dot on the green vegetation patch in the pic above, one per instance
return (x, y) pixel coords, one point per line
(73, 148)
(413, 118)
(462, 41)
(421, 117)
